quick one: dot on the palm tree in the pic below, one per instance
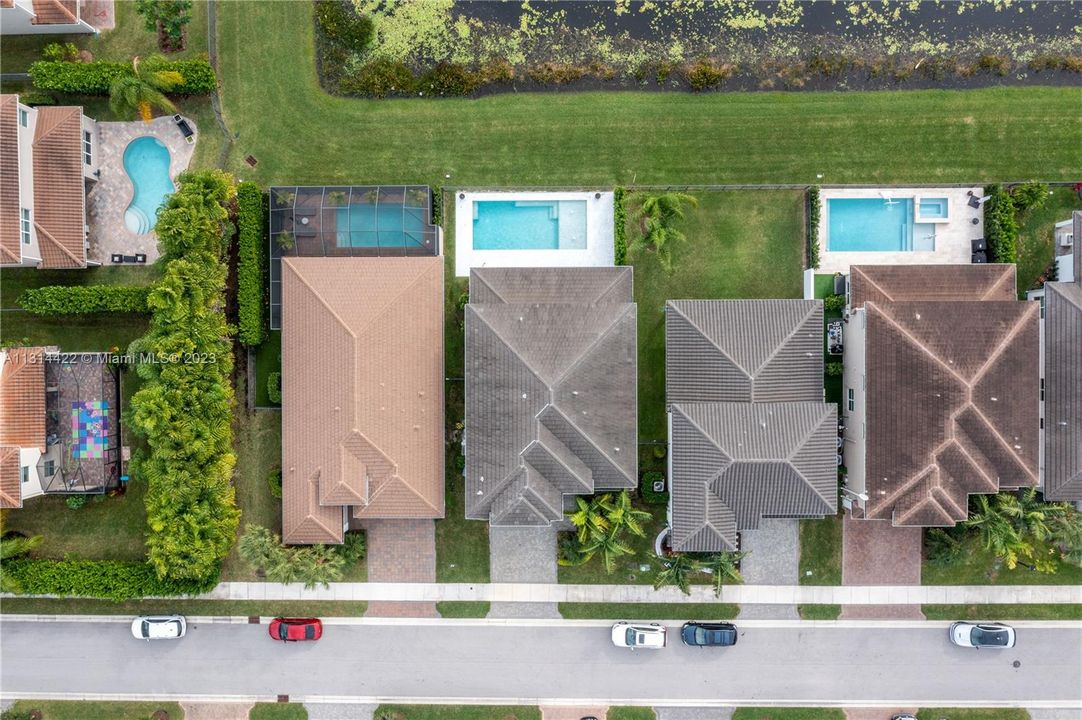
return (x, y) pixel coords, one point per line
(621, 514)
(998, 533)
(676, 570)
(657, 215)
(590, 517)
(723, 565)
(318, 564)
(144, 90)
(258, 547)
(569, 551)
(609, 544)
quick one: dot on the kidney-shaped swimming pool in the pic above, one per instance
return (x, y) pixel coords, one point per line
(146, 160)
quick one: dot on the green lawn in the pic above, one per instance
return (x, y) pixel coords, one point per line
(978, 566)
(752, 713)
(258, 444)
(79, 333)
(739, 245)
(462, 609)
(268, 359)
(972, 714)
(97, 710)
(819, 612)
(278, 711)
(631, 713)
(1035, 235)
(649, 611)
(821, 551)
(233, 608)
(1002, 612)
(13, 281)
(457, 712)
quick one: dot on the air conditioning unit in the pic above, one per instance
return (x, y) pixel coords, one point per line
(1067, 240)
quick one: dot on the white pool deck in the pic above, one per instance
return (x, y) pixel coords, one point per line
(952, 238)
(599, 234)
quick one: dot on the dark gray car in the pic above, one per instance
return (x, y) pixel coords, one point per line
(704, 634)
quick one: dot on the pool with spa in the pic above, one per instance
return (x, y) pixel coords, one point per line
(877, 225)
(146, 161)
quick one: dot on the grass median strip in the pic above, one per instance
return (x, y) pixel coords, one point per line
(92, 710)
(1002, 612)
(457, 712)
(234, 608)
(649, 611)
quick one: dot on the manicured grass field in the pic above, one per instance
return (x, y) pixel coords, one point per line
(258, 444)
(821, 551)
(752, 713)
(221, 608)
(278, 711)
(97, 710)
(739, 245)
(1036, 244)
(458, 712)
(1002, 612)
(978, 566)
(649, 611)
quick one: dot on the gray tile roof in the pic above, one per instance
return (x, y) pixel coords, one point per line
(743, 350)
(1063, 385)
(734, 463)
(550, 390)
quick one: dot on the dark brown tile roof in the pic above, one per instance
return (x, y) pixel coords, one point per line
(22, 398)
(59, 194)
(898, 283)
(11, 495)
(953, 394)
(55, 12)
(10, 247)
(1063, 388)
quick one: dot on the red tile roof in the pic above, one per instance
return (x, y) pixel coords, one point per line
(22, 398)
(11, 495)
(55, 12)
(10, 248)
(59, 194)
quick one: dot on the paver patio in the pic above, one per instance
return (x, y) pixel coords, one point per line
(874, 552)
(401, 551)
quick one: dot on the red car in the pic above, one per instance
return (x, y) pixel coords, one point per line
(296, 629)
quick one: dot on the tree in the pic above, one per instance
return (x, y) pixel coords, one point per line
(258, 546)
(676, 570)
(620, 514)
(609, 544)
(167, 17)
(724, 567)
(657, 216)
(144, 90)
(1020, 527)
(589, 518)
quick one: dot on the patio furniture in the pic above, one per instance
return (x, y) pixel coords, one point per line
(129, 259)
(185, 129)
(140, 258)
(980, 257)
(834, 337)
(978, 245)
(117, 258)
(974, 201)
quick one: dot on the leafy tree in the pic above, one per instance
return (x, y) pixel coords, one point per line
(676, 570)
(723, 565)
(657, 217)
(1021, 527)
(258, 546)
(144, 90)
(609, 545)
(589, 518)
(169, 16)
(569, 551)
(13, 547)
(944, 546)
(621, 515)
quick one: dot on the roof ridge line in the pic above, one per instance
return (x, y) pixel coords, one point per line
(402, 291)
(785, 340)
(596, 341)
(921, 346)
(999, 281)
(1004, 342)
(695, 325)
(870, 281)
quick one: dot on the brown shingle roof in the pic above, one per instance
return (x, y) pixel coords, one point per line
(22, 398)
(952, 405)
(1063, 387)
(362, 392)
(55, 12)
(11, 495)
(898, 283)
(10, 248)
(59, 212)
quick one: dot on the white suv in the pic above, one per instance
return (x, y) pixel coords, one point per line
(650, 636)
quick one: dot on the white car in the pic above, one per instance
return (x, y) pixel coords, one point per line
(650, 636)
(982, 635)
(159, 627)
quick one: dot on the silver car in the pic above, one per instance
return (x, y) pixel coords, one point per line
(982, 635)
(159, 627)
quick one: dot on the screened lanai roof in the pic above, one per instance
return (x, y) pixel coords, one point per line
(347, 221)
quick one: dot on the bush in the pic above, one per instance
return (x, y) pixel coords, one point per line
(380, 79)
(834, 303)
(106, 579)
(448, 79)
(339, 23)
(1073, 63)
(619, 209)
(497, 71)
(550, 73)
(84, 299)
(706, 73)
(60, 52)
(814, 208)
(1029, 196)
(437, 205)
(834, 369)
(170, 16)
(95, 78)
(1000, 226)
(646, 489)
(274, 387)
(1046, 62)
(274, 482)
(250, 237)
(74, 502)
(34, 98)
(999, 64)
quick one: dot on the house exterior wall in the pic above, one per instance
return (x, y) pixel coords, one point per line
(19, 20)
(854, 379)
(28, 462)
(31, 253)
(90, 169)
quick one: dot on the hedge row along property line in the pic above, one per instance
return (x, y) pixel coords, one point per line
(250, 263)
(619, 214)
(95, 78)
(184, 408)
(107, 579)
(814, 208)
(84, 299)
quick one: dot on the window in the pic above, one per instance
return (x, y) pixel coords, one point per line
(24, 225)
(50, 468)
(1042, 389)
(852, 401)
(86, 147)
(26, 473)
(24, 117)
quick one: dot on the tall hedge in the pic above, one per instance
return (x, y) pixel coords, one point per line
(814, 208)
(84, 299)
(250, 247)
(619, 214)
(1000, 225)
(105, 579)
(95, 78)
(184, 409)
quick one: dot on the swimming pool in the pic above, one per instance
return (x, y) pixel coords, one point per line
(146, 160)
(379, 226)
(876, 225)
(529, 225)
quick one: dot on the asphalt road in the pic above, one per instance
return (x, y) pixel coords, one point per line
(811, 665)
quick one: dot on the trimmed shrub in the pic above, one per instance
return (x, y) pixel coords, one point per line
(84, 299)
(834, 303)
(1029, 196)
(646, 489)
(60, 52)
(250, 245)
(274, 387)
(274, 482)
(834, 369)
(448, 79)
(339, 23)
(619, 212)
(705, 73)
(814, 208)
(380, 79)
(1000, 226)
(437, 205)
(106, 579)
(95, 78)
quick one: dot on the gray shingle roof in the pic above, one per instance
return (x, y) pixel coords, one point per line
(1063, 386)
(743, 350)
(734, 463)
(550, 390)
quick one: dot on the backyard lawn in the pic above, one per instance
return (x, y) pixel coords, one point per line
(268, 359)
(739, 244)
(1035, 235)
(96, 710)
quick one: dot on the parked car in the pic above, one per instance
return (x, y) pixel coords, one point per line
(159, 627)
(296, 629)
(904, 716)
(982, 635)
(705, 634)
(650, 636)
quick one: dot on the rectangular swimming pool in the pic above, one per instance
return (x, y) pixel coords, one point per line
(529, 224)
(378, 226)
(875, 225)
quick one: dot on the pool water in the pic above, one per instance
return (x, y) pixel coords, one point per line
(876, 225)
(529, 225)
(375, 226)
(146, 160)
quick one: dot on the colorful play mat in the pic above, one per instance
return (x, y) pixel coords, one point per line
(89, 429)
